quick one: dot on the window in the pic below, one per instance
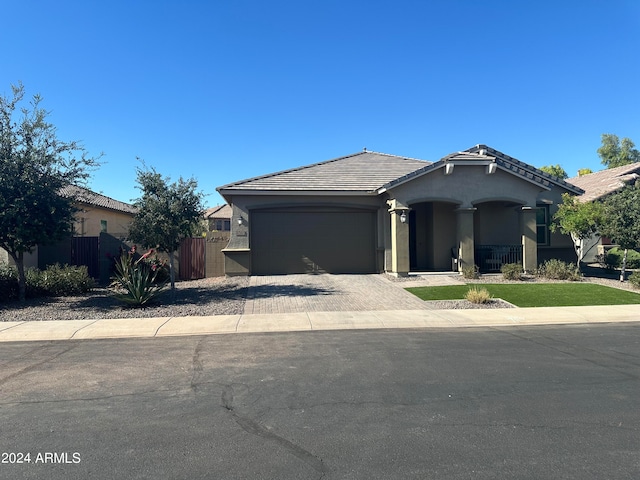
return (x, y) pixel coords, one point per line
(103, 226)
(542, 224)
(223, 225)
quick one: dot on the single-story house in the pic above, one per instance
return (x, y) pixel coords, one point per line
(373, 212)
(596, 187)
(98, 215)
(218, 218)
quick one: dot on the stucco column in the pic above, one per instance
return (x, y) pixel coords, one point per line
(529, 239)
(399, 239)
(464, 237)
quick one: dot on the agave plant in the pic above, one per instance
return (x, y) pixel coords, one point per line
(136, 283)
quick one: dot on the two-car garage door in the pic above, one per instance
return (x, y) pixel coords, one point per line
(306, 240)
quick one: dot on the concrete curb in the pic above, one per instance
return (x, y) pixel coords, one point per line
(311, 321)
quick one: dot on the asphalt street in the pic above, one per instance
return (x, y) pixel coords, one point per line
(475, 403)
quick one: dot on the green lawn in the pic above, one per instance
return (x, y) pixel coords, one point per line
(537, 295)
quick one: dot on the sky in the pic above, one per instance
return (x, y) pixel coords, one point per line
(223, 90)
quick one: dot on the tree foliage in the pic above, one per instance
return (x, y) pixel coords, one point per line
(35, 167)
(555, 170)
(167, 213)
(615, 152)
(580, 220)
(621, 220)
(584, 171)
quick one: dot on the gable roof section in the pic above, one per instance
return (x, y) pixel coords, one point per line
(94, 199)
(220, 211)
(360, 173)
(525, 170)
(600, 184)
(483, 155)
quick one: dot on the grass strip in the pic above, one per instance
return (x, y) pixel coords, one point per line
(537, 295)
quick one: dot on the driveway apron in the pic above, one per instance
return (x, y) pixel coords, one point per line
(327, 293)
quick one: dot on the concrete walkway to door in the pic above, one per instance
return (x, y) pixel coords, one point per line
(333, 293)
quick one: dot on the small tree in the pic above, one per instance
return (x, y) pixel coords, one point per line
(167, 213)
(35, 166)
(615, 152)
(621, 221)
(580, 220)
(555, 170)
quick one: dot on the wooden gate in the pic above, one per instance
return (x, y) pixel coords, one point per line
(192, 258)
(86, 251)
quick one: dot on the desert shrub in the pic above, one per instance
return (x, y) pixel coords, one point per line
(511, 271)
(470, 271)
(634, 279)
(55, 281)
(605, 261)
(477, 295)
(558, 270)
(8, 282)
(135, 281)
(66, 280)
(615, 255)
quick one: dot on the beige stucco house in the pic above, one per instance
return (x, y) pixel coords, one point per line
(597, 186)
(374, 212)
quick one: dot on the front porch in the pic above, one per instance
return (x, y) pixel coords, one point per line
(444, 236)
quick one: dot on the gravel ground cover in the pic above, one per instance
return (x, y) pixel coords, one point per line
(210, 296)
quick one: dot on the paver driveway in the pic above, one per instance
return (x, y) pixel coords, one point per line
(329, 293)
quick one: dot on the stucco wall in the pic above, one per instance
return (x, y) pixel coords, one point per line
(88, 221)
(467, 186)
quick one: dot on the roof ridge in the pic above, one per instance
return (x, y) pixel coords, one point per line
(304, 167)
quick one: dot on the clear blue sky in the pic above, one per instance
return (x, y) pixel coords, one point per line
(223, 90)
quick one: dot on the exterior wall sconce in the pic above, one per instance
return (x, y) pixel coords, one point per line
(240, 221)
(403, 217)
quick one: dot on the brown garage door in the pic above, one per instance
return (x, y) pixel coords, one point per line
(312, 240)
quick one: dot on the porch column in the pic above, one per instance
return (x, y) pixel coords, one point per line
(464, 237)
(399, 238)
(529, 239)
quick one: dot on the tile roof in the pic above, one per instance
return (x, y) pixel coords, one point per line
(525, 170)
(219, 211)
(373, 172)
(362, 172)
(88, 197)
(600, 184)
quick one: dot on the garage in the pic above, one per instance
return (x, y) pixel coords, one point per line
(313, 240)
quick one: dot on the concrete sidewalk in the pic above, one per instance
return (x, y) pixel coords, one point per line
(309, 321)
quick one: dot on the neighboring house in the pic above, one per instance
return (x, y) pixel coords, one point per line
(99, 213)
(596, 187)
(373, 212)
(218, 218)
(99, 218)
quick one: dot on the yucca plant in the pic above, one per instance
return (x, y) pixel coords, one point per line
(136, 283)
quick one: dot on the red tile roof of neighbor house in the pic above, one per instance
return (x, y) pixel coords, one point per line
(219, 211)
(600, 184)
(94, 199)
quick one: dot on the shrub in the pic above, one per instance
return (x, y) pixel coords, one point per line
(512, 271)
(558, 270)
(8, 282)
(615, 256)
(62, 281)
(478, 295)
(634, 279)
(135, 282)
(55, 281)
(470, 271)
